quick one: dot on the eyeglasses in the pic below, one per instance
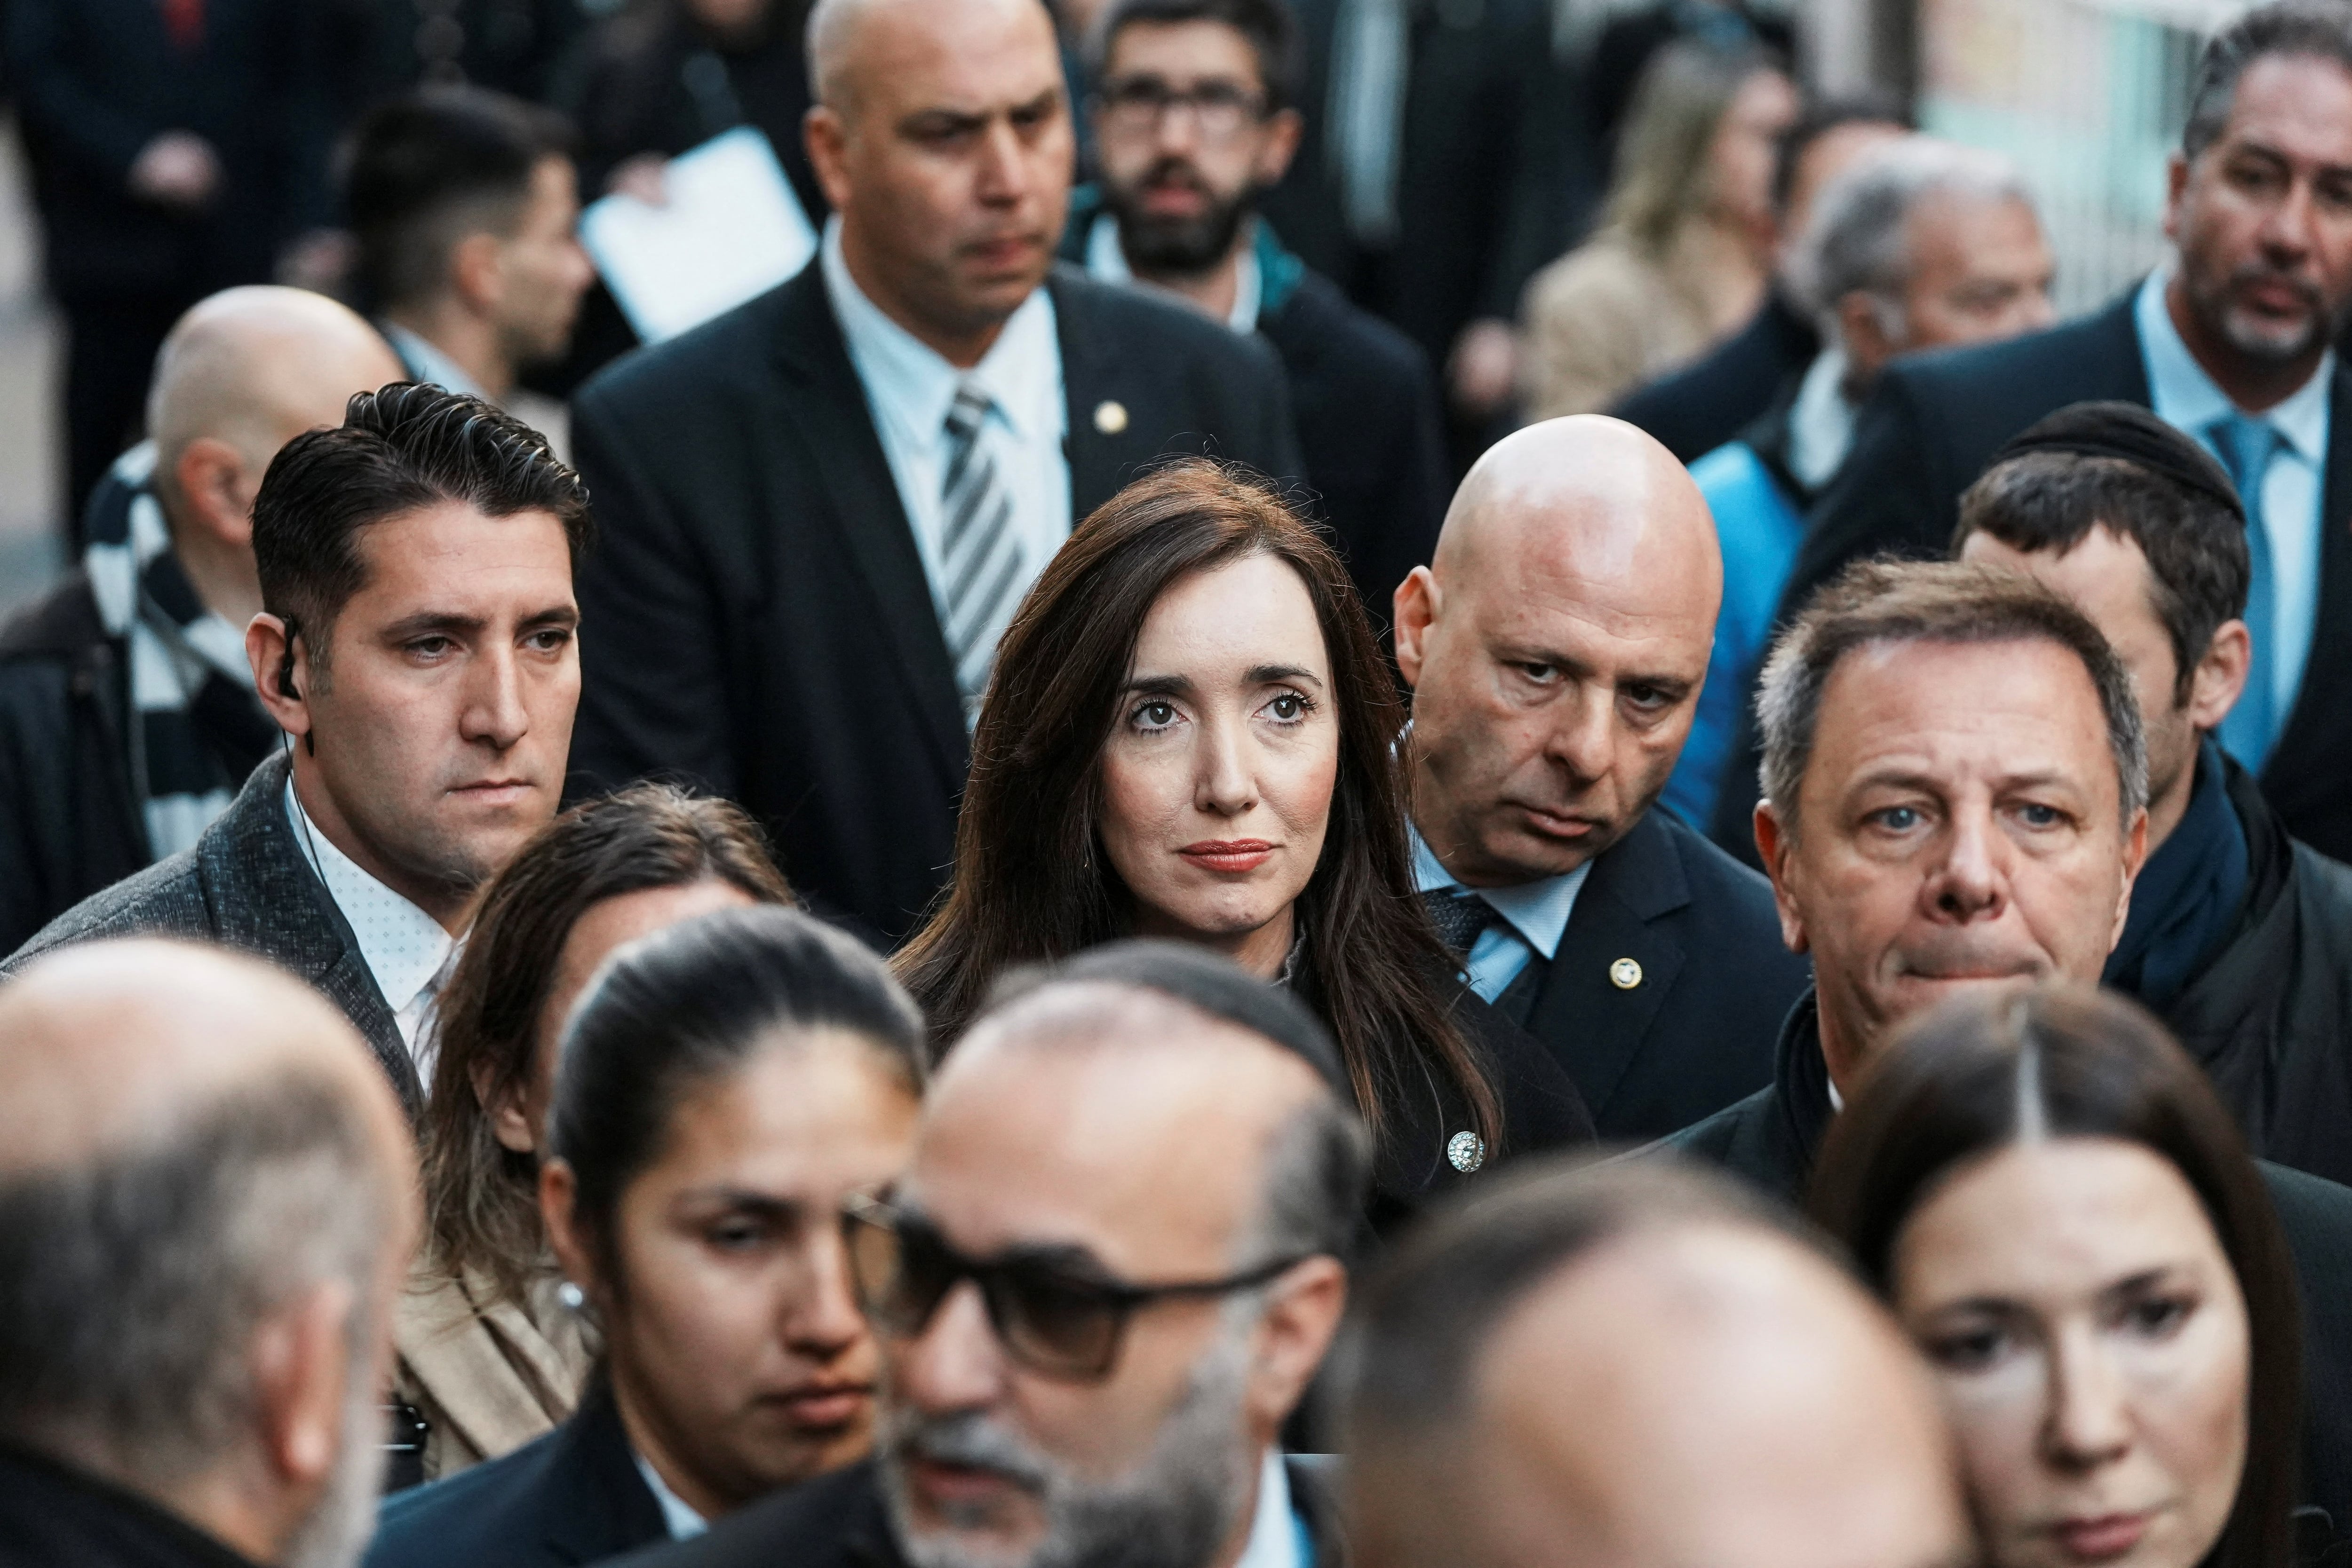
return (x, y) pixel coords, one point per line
(1048, 1318)
(1138, 106)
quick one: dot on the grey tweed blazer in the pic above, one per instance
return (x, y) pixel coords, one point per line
(246, 885)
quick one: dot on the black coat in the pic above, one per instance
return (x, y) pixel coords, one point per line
(246, 885)
(572, 1496)
(839, 1521)
(1924, 435)
(1769, 1140)
(1715, 398)
(756, 619)
(51, 1516)
(1697, 1031)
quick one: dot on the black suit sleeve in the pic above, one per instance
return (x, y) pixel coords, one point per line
(68, 117)
(1883, 498)
(654, 689)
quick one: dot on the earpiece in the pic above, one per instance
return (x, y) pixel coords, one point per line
(286, 665)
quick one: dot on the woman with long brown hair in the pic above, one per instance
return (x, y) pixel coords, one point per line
(1189, 733)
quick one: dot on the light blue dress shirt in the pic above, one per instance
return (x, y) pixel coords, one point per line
(2186, 398)
(1534, 917)
(426, 362)
(908, 389)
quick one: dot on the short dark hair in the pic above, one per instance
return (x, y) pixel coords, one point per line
(433, 166)
(690, 1005)
(407, 446)
(1887, 601)
(1983, 1071)
(1817, 119)
(2198, 566)
(1268, 26)
(2320, 28)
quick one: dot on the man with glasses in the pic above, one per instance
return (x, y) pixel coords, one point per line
(1194, 116)
(1108, 1275)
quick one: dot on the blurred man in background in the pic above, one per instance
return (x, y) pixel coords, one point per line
(206, 1209)
(127, 713)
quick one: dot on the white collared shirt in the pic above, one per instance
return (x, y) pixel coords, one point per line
(1534, 917)
(1821, 422)
(909, 390)
(1276, 1539)
(2186, 398)
(426, 362)
(407, 951)
(677, 1515)
(1107, 262)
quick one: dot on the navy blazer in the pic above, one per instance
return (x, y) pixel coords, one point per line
(572, 1496)
(1695, 1031)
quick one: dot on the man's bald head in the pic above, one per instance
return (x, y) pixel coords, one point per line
(1556, 646)
(845, 38)
(1630, 1368)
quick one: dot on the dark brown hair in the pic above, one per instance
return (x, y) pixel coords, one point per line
(481, 1199)
(1953, 1087)
(1031, 880)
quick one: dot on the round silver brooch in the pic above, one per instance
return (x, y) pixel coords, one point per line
(1466, 1152)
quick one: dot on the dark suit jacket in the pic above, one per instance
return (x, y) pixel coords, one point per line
(839, 1521)
(1769, 1140)
(1698, 1033)
(756, 619)
(246, 885)
(1924, 435)
(52, 1515)
(572, 1496)
(1712, 400)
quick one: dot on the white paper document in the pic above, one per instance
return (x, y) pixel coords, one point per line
(732, 229)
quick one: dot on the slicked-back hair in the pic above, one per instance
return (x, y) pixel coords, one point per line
(131, 1285)
(432, 166)
(481, 1198)
(1268, 26)
(1033, 881)
(2198, 566)
(1883, 601)
(1983, 1072)
(2321, 29)
(401, 449)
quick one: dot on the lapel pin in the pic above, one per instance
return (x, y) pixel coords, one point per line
(1625, 974)
(1110, 416)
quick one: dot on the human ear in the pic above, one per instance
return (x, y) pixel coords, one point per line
(504, 1107)
(301, 1360)
(1773, 846)
(559, 1193)
(1283, 130)
(1416, 603)
(2220, 679)
(827, 141)
(478, 271)
(2176, 187)
(1302, 1314)
(210, 475)
(282, 672)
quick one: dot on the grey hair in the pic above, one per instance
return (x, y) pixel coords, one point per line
(2319, 28)
(131, 1285)
(1882, 602)
(1859, 238)
(1318, 1169)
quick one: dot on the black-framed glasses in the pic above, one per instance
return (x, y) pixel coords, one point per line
(1049, 1317)
(1221, 109)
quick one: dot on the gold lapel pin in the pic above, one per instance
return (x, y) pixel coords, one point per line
(1625, 974)
(1110, 416)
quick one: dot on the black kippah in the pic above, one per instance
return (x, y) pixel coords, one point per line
(1218, 986)
(2133, 435)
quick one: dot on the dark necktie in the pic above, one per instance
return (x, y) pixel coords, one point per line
(1460, 915)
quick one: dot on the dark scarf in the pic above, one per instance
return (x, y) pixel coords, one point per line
(2187, 898)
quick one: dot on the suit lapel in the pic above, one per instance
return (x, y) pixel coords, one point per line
(600, 1505)
(1113, 411)
(837, 426)
(2305, 745)
(1592, 1024)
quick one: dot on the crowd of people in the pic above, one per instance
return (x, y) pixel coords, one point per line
(978, 918)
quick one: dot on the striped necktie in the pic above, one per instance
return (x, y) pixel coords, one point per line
(980, 559)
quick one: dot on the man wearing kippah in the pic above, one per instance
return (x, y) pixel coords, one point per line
(2239, 937)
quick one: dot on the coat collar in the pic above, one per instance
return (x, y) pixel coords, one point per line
(600, 1503)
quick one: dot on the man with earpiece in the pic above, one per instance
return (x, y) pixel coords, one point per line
(417, 649)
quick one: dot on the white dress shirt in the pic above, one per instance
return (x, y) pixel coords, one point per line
(428, 363)
(1534, 917)
(677, 1515)
(1278, 1538)
(909, 390)
(1106, 261)
(2186, 398)
(1821, 422)
(406, 949)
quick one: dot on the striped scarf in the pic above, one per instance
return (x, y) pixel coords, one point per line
(196, 727)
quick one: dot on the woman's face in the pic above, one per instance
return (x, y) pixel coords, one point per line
(522, 1123)
(1747, 142)
(1217, 776)
(739, 1358)
(2092, 1343)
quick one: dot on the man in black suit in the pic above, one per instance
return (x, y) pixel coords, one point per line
(1149, 1165)
(421, 660)
(1555, 649)
(820, 511)
(2230, 340)
(1193, 117)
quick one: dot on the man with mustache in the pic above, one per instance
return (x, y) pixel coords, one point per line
(819, 512)
(2229, 340)
(1106, 1280)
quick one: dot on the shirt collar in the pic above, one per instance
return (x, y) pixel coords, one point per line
(1274, 1528)
(404, 947)
(1021, 370)
(677, 1515)
(1538, 911)
(428, 363)
(2187, 399)
(1821, 422)
(1107, 260)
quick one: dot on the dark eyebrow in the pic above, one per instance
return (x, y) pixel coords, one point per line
(766, 1206)
(430, 623)
(1160, 686)
(2146, 1279)
(1267, 675)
